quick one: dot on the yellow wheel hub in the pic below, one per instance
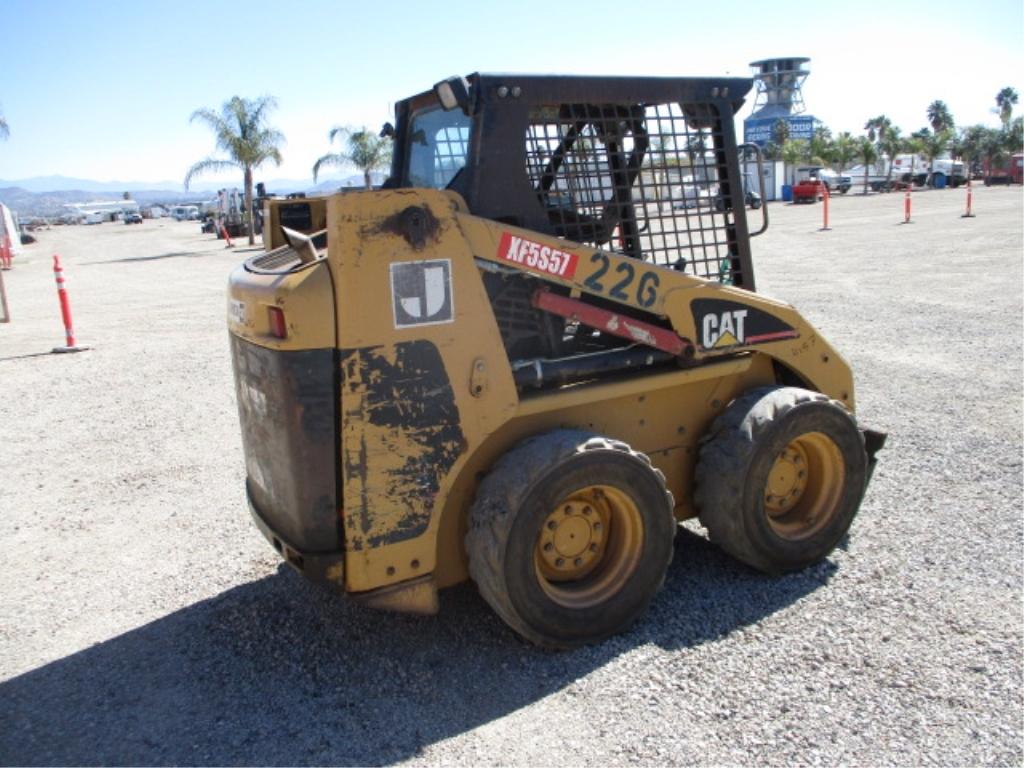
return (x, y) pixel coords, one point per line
(787, 480)
(804, 486)
(588, 545)
(572, 539)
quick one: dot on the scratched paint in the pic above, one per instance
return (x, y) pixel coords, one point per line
(401, 435)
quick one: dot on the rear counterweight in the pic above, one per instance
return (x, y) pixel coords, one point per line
(287, 406)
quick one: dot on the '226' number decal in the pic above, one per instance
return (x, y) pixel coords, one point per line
(646, 291)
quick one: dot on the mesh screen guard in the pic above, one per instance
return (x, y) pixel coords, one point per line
(649, 181)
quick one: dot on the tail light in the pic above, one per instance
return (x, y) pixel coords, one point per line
(277, 325)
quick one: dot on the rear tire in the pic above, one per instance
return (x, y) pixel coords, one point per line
(570, 537)
(780, 477)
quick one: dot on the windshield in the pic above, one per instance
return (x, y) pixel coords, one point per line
(438, 144)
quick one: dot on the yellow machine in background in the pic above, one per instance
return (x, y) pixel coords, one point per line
(526, 367)
(301, 214)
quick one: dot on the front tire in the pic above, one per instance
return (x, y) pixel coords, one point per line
(780, 478)
(570, 537)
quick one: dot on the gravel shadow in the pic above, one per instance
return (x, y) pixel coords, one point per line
(280, 672)
(156, 257)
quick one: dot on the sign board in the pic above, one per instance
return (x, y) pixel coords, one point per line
(758, 130)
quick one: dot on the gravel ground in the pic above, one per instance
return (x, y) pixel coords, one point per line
(143, 620)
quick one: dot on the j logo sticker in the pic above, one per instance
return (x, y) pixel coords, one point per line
(421, 292)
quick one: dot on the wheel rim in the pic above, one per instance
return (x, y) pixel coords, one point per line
(804, 486)
(588, 546)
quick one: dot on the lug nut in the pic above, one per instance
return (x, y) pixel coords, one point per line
(559, 562)
(552, 525)
(548, 547)
(578, 562)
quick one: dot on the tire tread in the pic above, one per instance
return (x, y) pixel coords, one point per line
(502, 491)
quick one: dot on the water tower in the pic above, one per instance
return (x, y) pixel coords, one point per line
(779, 97)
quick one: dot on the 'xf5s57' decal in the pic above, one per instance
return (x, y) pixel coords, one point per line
(721, 324)
(537, 257)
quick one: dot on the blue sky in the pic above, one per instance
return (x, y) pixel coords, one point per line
(104, 90)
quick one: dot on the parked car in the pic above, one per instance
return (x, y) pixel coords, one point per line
(751, 199)
(132, 217)
(808, 191)
(185, 213)
(693, 195)
(834, 181)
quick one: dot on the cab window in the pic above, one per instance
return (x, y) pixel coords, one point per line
(438, 145)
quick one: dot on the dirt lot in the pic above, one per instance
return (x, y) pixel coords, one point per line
(143, 619)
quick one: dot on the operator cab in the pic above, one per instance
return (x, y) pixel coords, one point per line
(648, 167)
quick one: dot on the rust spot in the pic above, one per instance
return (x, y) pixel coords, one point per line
(417, 224)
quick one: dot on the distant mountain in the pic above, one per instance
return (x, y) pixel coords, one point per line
(46, 195)
(66, 183)
(69, 184)
(26, 203)
(284, 186)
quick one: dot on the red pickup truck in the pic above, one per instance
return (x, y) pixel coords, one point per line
(808, 191)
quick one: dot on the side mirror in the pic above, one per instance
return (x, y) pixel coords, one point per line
(387, 131)
(453, 92)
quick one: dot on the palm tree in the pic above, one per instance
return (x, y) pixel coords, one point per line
(877, 128)
(1005, 100)
(844, 150)
(793, 153)
(968, 146)
(891, 146)
(698, 146)
(242, 132)
(780, 132)
(660, 155)
(366, 151)
(939, 116)
(1016, 134)
(933, 145)
(914, 146)
(868, 154)
(993, 149)
(820, 147)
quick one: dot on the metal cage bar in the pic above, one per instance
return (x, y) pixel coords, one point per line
(654, 182)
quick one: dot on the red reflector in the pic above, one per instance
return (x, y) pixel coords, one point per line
(277, 326)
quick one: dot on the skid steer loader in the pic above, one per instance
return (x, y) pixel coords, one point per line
(532, 354)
